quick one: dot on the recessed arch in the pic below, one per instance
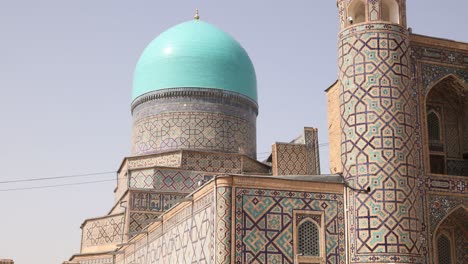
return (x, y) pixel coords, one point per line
(390, 11)
(357, 12)
(452, 77)
(450, 236)
(445, 107)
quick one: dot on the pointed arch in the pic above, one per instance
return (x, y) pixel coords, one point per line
(450, 236)
(460, 83)
(357, 11)
(390, 11)
(445, 107)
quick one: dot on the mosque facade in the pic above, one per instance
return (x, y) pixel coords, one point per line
(193, 191)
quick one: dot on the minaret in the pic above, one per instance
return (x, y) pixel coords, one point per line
(378, 134)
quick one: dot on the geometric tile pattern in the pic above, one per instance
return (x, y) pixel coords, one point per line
(379, 143)
(440, 206)
(211, 162)
(188, 237)
(223, 225)
(193, 130)
(137, 220)
(299, 157)
(102, 231)
(165, 180)
(264, 224)
(455, 229)
(433, 73)
(290, 159)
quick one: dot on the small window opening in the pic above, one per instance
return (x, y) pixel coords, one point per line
(433, 126)
(444, 250)
(309, 239)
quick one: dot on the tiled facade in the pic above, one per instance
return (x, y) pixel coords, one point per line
(193, 192)
(264, 224)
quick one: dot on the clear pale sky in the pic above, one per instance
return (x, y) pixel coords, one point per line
(66, 74)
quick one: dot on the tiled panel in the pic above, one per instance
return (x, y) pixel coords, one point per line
(138, 219)
(153, 202)
(166, 180)
(102, 231)
(223, 225)
(290, 159)
(161, 160)
(211, 162)
(264, 224)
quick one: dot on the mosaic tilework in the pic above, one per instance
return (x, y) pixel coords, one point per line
(373, 10)
(102, 231)
(446, 56)
(461, 247)
(188, 237)
(342, 13)
(223, 225)
(192, 130)
(290, 159)
(154, 202)
(161, 160)
(432, 73)
(448, 184)
(449, 217)
(440, 206)
(165, 180)
(212, 162)
(137, 220)
(379, 143)
(264, 224)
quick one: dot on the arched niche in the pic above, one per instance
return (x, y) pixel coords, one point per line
(390, 11)
(446, 127)
(357, 12)
(450, 238)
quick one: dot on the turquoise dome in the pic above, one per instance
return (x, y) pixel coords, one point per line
(195, 54)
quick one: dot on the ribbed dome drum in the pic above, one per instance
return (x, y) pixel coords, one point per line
(194, 88)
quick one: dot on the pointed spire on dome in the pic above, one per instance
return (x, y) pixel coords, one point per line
(197, 15)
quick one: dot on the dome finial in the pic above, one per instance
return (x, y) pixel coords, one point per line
(197, 15)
